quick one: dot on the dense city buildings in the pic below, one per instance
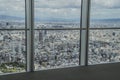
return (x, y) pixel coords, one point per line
(56, 48)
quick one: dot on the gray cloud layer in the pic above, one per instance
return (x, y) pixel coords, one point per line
(107, 3)
(105, 9)
(65, 9)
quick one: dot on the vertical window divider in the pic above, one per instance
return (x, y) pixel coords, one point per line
(30, 34)
(84, 32)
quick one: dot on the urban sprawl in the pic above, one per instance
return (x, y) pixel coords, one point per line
(55, 48)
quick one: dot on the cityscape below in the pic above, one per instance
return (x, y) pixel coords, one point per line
(56, 48)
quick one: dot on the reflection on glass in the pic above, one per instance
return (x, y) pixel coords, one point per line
(12, 51)
(104, 46)
(56, 48)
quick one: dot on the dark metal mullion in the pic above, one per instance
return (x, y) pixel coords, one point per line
(30, 34)
(80, 33)
(84, 32)
(26, 34)
(87, 35)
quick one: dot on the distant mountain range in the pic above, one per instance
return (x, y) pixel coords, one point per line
(106, 20)
(56, 20)
(6, 17)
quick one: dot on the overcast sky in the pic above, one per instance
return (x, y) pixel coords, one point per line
(12, 7)
(107, 9)
(62, 9)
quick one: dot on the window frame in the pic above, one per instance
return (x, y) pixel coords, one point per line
(29, 33)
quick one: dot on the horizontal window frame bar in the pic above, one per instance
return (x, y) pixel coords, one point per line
(40, 29)
(50, 29)
(46, 29)
(59, 29)
(65, 29)
(102, 28)
(12, 29)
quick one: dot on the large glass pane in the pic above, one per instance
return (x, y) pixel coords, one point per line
(57, 13)
(105, 13)
(56, 48)
(12, 51)
(104, 46)
(12, 14)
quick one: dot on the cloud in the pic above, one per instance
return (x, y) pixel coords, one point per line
(58, 3)
(43, 8)
(65, 9)
(57, 9)
(106, 3)
(105, 13)
(105, 9)
(12, 7)
(42, 12)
